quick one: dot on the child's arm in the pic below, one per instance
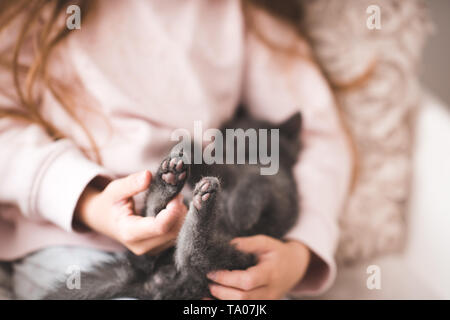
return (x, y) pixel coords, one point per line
(47, 180)
(42, 177)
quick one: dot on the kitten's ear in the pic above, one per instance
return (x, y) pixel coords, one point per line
(241, 112)
(292, 126)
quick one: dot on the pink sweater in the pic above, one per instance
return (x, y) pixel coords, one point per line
(150, 67)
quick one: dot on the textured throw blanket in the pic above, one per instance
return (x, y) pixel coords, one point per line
(375, 76)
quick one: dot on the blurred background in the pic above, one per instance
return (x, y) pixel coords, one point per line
(399, 216)
(437, 52)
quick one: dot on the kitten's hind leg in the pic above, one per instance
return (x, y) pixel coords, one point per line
(198, 226)
(166, 183)
(201, 247)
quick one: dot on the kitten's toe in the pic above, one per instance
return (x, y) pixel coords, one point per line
(205, 191)
(174, 170)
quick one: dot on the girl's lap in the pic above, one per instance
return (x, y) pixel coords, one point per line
(36, 274)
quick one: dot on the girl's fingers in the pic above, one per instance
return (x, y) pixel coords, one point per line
(171, 216)
(226, 293)
(149, 232)
(129, 186)
(135, 228)
(153, 245)
(252, 278)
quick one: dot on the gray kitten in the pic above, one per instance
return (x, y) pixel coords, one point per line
(228, 201)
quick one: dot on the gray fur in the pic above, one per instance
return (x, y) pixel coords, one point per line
(239, 202)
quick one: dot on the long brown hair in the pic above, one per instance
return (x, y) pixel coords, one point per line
(45, 33)
(49, 30)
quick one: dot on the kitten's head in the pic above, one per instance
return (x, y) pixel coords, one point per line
(289, 133)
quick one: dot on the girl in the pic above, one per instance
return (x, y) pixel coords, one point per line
(85, 113)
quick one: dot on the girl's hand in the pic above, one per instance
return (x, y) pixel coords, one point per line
(111, 212)
(281, 265)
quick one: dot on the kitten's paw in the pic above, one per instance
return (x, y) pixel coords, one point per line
(174, 170)
(205, 192)
(167, 183)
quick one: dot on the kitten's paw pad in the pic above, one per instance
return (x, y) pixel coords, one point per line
(174, 170)
(204, 191)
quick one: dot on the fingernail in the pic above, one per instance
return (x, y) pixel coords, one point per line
(212, 276)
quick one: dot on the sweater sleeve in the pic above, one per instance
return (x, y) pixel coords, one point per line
(42, 177)
(275, 86)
